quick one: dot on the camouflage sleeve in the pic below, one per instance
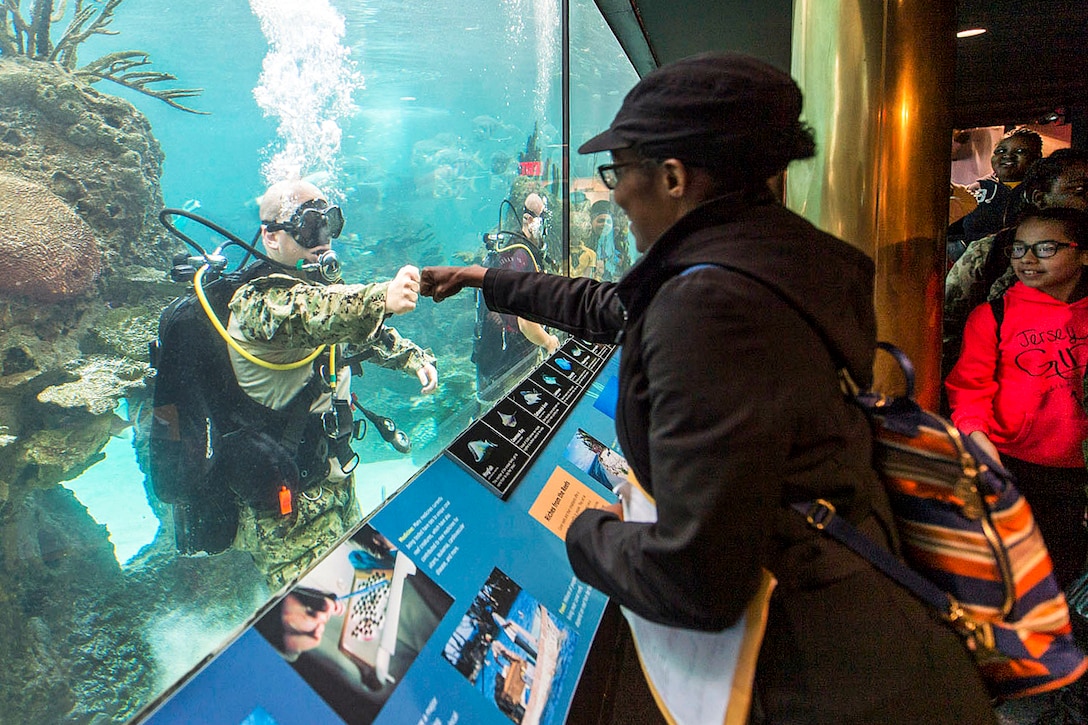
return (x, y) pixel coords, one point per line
(393, 351)
(1002, 284)
(963, 285)
(282, 310)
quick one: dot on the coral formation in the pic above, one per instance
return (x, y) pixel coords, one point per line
(94, 151)
(82, 277)
(62, 663)
(69, 153)
(47, 252)
(61, 454)
(99, 382)
(82, 280)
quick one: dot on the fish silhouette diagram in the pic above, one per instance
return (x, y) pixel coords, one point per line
(531, 397)
(563, 364)
(508, 419)
(479, 449)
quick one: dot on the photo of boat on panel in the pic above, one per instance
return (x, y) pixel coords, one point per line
(513, 651)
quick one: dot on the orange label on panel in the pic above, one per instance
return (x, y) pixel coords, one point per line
(561, 500)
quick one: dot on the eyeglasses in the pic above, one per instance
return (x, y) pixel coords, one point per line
(313, 224)
(609, 173)
(1041, 250)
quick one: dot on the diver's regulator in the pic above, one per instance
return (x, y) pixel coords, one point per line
(185, 266)
(326, 268)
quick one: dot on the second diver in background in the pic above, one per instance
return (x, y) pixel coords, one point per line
(503, 342)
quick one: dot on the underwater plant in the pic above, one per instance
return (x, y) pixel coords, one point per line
(529, 159)
(29, 34)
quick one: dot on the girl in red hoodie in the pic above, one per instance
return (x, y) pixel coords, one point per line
(1017, 387)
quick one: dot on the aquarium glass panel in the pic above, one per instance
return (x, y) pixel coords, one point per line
(126, 559)
(600, 75)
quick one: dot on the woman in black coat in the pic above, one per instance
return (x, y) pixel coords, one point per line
(730, 405)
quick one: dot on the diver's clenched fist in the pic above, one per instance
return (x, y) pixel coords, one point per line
(403, 291)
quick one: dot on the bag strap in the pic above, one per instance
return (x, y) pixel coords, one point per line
(821, 515)
(781, 295)
(997, 305)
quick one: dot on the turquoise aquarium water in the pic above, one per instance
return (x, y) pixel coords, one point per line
(427, 124)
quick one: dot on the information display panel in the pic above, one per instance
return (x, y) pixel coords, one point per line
(494, 451)
(451, 603)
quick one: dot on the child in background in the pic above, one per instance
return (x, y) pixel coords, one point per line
(1017, 387)
(998, 200)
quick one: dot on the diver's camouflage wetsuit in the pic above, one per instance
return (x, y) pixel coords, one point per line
(281, 319)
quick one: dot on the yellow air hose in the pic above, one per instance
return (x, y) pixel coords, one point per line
(519, 245)
(198, 287)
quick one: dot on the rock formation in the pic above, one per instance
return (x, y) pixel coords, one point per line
(94, 151)
(82, 255)
(82, 280)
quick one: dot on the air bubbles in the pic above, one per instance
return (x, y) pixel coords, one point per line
(307, 83)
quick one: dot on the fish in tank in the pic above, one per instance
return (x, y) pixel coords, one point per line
(427, 126)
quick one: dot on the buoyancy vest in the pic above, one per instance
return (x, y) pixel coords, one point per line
(210, 444)
(498, 344)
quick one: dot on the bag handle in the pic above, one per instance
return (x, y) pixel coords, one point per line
(904, 364)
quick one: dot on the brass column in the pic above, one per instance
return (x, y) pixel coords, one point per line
(877, 79)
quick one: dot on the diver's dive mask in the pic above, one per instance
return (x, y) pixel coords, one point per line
(314, 223)
(541, 222)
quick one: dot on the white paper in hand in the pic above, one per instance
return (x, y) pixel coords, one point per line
(697, 678)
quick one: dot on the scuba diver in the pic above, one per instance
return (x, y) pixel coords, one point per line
(253, 420)
(505, 345)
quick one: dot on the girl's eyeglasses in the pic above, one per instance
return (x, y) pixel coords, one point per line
(1042, 250)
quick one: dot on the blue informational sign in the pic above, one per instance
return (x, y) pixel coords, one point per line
(248, 683)
(451, 604)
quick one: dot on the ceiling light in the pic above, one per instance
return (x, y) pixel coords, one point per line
(970, 33)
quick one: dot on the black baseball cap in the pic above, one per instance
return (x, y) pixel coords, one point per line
(703, 109)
